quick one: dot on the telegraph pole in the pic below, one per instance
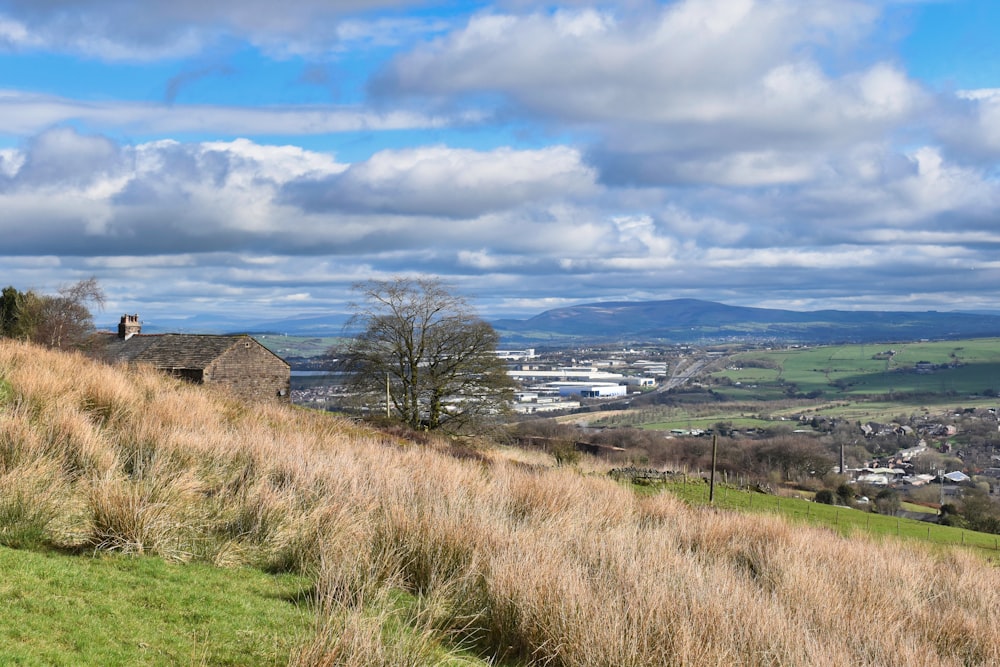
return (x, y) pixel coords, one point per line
(711, 484)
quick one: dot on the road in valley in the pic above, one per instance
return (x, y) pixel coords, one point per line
(684, 370)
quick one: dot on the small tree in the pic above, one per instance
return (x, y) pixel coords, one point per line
(887, 502)
(424, 350)
(18, 311)
(845, 494)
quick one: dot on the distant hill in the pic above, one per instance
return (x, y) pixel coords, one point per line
(693, 320)
(676, 320)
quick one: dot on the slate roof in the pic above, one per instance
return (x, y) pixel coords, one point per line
(169, 351)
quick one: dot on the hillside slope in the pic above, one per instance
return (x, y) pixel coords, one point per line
(545, 566)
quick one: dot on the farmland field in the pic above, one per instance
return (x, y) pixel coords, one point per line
(955, 367)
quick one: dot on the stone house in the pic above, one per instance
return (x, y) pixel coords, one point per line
(237, 362)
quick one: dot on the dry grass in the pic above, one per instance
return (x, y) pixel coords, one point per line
(493, 551)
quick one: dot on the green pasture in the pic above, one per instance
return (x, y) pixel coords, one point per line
(852, 371)
(846, 521)
(885, 410)
(752, 392)
(117, 610)
(699, 416)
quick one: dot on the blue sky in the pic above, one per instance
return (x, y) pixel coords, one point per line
(251, 160)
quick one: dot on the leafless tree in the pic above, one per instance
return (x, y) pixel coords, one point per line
(64, 321)
(424, 350)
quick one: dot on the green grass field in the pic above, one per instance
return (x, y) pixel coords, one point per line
(844, 520)
(863, 382)
(853, 371)
(117, 610)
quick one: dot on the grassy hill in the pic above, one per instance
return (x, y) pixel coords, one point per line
(425, 554)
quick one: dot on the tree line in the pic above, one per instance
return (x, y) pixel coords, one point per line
(61, 321)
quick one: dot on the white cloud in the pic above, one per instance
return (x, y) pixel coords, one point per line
(730, 92)
(25, 113)
(693, 61)
(122, 30)
(441, 181)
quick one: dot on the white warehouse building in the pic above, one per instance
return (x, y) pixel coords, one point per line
(592, 390)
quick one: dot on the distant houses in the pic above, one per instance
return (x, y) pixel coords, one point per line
(236, 362)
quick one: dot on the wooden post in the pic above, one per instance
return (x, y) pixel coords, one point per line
(711, 484)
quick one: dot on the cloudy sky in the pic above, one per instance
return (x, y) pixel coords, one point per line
(254, 159)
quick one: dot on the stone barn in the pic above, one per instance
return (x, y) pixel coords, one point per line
(237, 362)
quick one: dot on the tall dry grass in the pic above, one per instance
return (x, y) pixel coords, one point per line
(497, 555)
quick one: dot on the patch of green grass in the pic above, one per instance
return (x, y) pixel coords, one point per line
(710, 421)
(844, 520)
(913, 507)
(115, 610)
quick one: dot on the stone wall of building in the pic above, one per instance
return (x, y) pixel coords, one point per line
(252, 371)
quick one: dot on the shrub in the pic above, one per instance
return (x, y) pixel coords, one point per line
(826, 497)
(565, 453)
(845, 494)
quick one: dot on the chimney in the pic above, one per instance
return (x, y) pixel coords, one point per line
(129, 326)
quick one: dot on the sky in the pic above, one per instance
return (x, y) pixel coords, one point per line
(248, 160)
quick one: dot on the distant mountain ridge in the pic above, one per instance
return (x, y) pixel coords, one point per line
(693, 320)
(669, 321)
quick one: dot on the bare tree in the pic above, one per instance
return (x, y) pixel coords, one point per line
(424, 350)
(64, 321)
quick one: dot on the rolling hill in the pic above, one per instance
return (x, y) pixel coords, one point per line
(693, 320)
